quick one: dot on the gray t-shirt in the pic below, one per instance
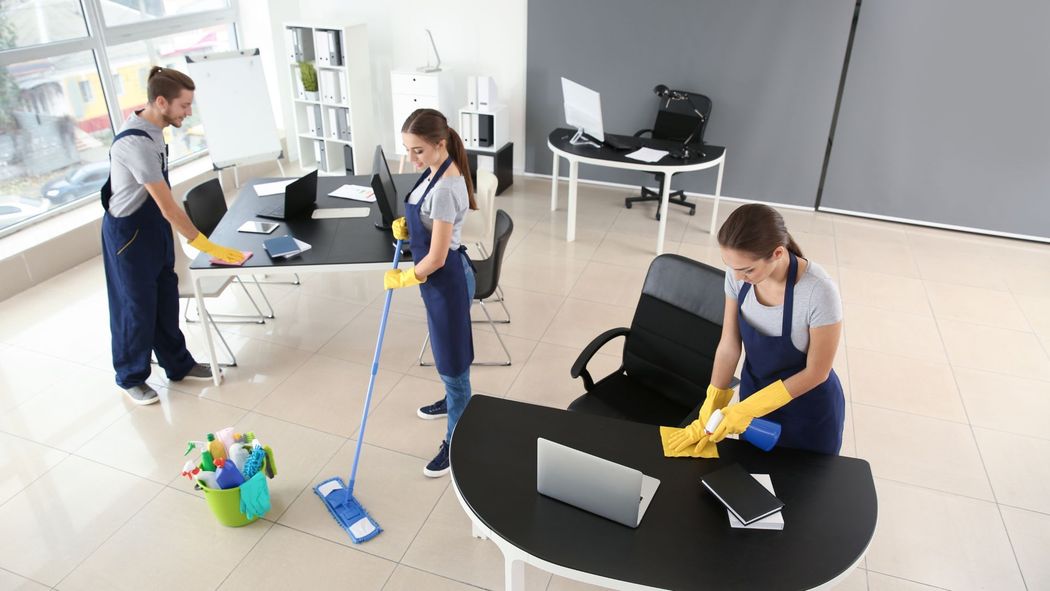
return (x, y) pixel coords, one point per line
(447, 201)
(134, 161)
(817, 303)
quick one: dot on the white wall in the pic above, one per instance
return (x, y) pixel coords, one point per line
(472, 36)
(260, 27)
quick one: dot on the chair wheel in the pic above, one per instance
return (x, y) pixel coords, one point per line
(692, 212)
(627, 204)
(657, 217)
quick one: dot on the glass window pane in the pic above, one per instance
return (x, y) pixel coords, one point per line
(132, 11)
(132, 62)
(32, 22)
(54, 135)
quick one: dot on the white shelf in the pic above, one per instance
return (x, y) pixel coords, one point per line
(307, 102)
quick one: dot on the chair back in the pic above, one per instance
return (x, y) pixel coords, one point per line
(676, 120)
(489, 269)
(205, 205)
(676, 329)
(479, 225)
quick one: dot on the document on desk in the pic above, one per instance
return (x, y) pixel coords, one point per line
(647, 155)
(355, 192)
(274, 188)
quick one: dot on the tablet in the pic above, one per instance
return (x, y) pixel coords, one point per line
(258, 227)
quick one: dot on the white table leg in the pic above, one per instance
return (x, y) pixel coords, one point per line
(476, 531)
(515, 575)
(570, 227)
(665, 196)
(554, 182)
(205, 319)
(718, 194)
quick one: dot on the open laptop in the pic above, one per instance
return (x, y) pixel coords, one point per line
(593, 484)
(384, 189)
(299, 199)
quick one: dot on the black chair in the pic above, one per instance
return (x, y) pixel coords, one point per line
(675, 121)
(487, 282)
(668, 351)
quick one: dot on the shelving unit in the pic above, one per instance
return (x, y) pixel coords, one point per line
(336, 132)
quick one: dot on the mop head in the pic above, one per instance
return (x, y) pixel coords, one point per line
(350, 515)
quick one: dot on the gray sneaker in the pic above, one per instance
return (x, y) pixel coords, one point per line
(200, 371)
(142, 394)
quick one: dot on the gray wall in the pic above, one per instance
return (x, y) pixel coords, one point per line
(771, 68)
(945, 115)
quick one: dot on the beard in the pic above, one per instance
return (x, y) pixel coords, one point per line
(173, 121)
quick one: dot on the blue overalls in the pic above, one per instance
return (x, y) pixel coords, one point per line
(812, 421)
(139, 257)
(447, 298)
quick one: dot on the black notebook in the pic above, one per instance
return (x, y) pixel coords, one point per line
(744, 496)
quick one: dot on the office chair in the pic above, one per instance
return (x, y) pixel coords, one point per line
(675, 121)
(668, 351)
(211, 287)
(480, 225)
(487, 281)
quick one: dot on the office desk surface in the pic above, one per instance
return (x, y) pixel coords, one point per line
(345, 241)
(559, 138)
(684, 540)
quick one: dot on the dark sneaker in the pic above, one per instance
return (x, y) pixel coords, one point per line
(438, 467)
(438, 410)
(142, 394)
(200, 371)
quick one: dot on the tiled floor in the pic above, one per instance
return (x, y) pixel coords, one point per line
(945, 359)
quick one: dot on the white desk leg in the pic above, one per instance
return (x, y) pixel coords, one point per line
(205, 319)
(665, 196)
(476, 531)
(718, 194)
(570, 227)
(515, 575)
(554, 183)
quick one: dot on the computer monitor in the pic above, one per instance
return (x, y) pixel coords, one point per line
(384, 189)
(583, 110)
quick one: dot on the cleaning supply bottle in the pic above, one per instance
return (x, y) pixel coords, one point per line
(239, 455)
(207, 479)
(226, 437)
(227, 475)
(217, 449)
(207, 463)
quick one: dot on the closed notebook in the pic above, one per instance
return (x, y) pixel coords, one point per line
(744, 496)
(281, 246)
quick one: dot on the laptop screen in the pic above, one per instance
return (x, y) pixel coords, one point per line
(384, 188)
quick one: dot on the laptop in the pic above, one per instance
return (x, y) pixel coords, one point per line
(384, 189)
(299, 198)
(593, 484)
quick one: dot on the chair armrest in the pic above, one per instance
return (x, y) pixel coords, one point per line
(642, 132)
(580, 367)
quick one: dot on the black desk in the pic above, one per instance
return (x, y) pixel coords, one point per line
(345, 244)
(684, 541)
(558, 142)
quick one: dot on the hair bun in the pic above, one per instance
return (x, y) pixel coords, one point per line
(154, 71)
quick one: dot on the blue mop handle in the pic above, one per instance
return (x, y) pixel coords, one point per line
(372, 378)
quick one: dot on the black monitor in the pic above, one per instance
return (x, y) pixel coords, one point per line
(384, 189)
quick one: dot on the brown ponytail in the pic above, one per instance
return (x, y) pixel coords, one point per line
(433, 127)
(758, 230)
(167, 83)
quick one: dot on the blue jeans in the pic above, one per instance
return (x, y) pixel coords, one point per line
(457, 388)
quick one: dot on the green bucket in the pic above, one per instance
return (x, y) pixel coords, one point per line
(226, 505)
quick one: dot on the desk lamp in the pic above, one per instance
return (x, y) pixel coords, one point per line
(662, 91)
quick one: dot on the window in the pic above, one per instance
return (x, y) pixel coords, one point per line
(63, 92)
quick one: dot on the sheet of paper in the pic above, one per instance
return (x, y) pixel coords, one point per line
(647, 154)
(274, 188)
(355, 192)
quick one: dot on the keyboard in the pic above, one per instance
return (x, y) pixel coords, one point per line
(622, 142)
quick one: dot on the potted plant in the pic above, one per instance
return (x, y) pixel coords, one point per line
(309, 75)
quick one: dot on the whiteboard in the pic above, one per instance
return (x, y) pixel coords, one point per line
(234, 105)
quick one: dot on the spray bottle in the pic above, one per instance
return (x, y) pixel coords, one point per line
(207, 463)
(760, 433)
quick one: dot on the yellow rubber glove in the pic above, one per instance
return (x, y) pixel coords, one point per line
(395, 278)
(226, 255)
(681, 440)
(738, 416)
(400, 228)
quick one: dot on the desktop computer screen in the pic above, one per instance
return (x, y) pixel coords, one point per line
(583, 110)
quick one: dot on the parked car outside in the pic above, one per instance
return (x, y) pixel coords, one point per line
(15, 208)
(81, 181)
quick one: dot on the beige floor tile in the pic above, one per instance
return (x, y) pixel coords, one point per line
(941, 539)
(1030, 537)
(881, 582)
(401, 343)
(857, 580)
(22, 462)
(491, 379)
(1011, 352)
(394, 425)
(390, 486)
(411, 579)
(579, 321)
(289, 559)
(705, 253)
(632, 250)
(446, 547)
(882, 290)
(359, 287)
(641, 223)
(819, 248)
(1017, 467)
(950, 259)
(902, 383)
(303, 321)
(545, 377)
(553, 275)
(76, 408)
(812, 222)
(869, 230)
(849, 435)
(976, 305)
(609, 284)
(25, 373)
(993, 400)
(875, 329)
(891, 258)
(1027, 271)
(326, 394)
(1037, 311)
(13, 582)
(531, 312)
(562, 584)
(920, 451)
(60, 519)
(547, 240)
(195, 548)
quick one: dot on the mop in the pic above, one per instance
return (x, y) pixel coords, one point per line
(339, 497)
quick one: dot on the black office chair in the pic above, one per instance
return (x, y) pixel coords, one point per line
(487, 282)
(668, 351)
(675, 121)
